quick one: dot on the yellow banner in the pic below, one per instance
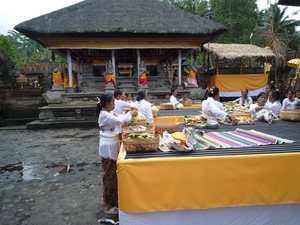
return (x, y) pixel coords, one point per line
(236, 82)
(164, 184)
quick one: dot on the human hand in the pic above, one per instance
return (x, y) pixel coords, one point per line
(134, 112)
(233, 119)
(133, 108)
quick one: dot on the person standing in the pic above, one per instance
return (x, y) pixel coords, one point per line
(109, 146)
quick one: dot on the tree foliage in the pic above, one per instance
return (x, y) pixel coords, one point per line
(278, 32)
(9, 50)
(239, 16)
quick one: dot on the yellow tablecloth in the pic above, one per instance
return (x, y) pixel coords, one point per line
(164, 184)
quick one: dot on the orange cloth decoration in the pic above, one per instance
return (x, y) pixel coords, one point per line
(57, 79)
(143, 79)
(192, 74)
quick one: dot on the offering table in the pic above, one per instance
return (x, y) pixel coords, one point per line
(251, 185)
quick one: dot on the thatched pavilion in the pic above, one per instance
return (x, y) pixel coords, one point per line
(237, 66)
(125, 32)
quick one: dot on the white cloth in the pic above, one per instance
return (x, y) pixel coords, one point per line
(276, 107)
(211, 109)
(109, 143)
(219, 105)
(120, 108)
(287, 104)
(244, 101)
(268, 103)
(144, 107)
(253, 111)
(263, 114)
(174, 100)
(250, 215)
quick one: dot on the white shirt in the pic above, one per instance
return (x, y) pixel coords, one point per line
(244, 101)
(174, 100)
(268, 103)
(109, 143)
(144, 107)
(287, 104)
(276, 107)
(210, 108)
(253, 111)
(120, 107)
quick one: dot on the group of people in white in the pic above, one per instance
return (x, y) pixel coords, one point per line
(266, 108)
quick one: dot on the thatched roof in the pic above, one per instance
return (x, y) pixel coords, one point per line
(101, 17)
(289, 2)
(233, 51)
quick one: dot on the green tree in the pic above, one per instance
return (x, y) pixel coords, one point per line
(278, 32)
(9, 50)
(239, 16)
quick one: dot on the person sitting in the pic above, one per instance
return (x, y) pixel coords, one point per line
(290, 102)
(143, 105)
(244, 100)
(177, 103)
(211, 107)
(274, 97)
(270, 87)
(259, 110)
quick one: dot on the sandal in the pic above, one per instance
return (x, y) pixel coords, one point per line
(114, 210)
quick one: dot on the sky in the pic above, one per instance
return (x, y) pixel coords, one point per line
(13, 12)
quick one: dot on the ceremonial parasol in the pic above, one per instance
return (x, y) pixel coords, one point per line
(294, 63)
(21, 79)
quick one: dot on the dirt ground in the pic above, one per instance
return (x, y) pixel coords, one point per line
(35, 188)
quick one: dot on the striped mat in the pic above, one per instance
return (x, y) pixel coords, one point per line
(235, 139)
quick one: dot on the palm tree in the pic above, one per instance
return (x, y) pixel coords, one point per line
(276, 31)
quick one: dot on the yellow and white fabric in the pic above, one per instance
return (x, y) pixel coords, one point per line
(197, 187)
(230, 85)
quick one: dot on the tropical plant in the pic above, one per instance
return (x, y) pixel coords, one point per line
(279, 33)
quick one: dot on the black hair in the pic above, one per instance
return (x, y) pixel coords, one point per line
(275, 95)
(245, 89)
(272, 86)
(213, 91)
(141, 93)
(102, 101)
(117, 93)
(261, 94)
(172, 91)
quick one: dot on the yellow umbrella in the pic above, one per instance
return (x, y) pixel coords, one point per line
(294, 63)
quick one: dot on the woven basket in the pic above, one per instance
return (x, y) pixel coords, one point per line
(154, 113)
(188, 102)
(133, 129)
(293, 115)
(141, 145)
(170, 127)
(166, 106)
(131, 123)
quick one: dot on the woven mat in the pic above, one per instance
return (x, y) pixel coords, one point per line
(235, 139)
